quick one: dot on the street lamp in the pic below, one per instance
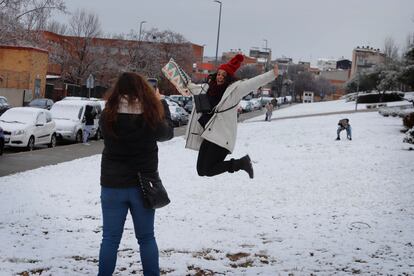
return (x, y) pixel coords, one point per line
(218, 31)
(267, 55)
(140, 29)
(265, 40)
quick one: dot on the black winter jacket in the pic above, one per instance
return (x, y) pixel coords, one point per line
(133, 150)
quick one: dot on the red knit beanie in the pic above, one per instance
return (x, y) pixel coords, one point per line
(232, 66)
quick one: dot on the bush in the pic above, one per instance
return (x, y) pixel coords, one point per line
(376, 98)
(409, 136)
(408, 120)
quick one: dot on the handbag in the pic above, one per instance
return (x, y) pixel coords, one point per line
(202, 103)
(154, 194)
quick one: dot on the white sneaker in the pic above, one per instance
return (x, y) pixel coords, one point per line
(86, 144)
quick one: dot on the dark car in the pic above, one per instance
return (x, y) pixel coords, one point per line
(1, 141)
(178, 115)
(189, 106)
(42, 103)
(4, 105)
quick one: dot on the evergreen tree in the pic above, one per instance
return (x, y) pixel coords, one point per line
(407, 72)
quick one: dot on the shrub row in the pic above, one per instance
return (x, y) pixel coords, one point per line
(376, 98)
(408, 120)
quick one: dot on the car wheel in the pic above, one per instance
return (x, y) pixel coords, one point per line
(98, 135)
(52, 143)
(1, 147)
(78, 138)
(31, 143)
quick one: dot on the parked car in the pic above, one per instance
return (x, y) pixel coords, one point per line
(181, 100)
(256, 103)
(189, 106)
(70, 122)
(28, 127)
(41, 103)
(246, 106)
(4, 105)
(72, 98)
(1, 141)
(264, 100)
(178, 115)
(170, 102)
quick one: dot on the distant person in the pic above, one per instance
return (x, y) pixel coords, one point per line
(133, 121)
(269, 111)
(344, 125)
(89, 116)
(213, 133)
(274, 102)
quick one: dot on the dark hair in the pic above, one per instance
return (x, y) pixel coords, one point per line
(133, 87)
(229, 79)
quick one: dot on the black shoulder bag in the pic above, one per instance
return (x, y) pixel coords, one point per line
(202, 103)
(154, 194)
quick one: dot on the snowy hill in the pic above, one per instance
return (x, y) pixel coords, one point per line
(315, 206)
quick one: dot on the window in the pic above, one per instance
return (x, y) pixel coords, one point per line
(48, 117)
(41, 118)
(80, 113)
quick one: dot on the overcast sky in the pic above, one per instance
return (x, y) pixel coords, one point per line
(301, 29)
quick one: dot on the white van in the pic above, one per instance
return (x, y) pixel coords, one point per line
(69, 118)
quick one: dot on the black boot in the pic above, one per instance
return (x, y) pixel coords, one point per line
(337, 138)
(245, 164)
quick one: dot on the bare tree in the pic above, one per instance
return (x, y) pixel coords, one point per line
(154, 50)
(323, 87)
(303, 82)
(248, 71)
(84, 24)
(390, 49)
(19, 18)
(57, 28)
(84, 27)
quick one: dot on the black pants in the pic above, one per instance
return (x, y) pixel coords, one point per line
(211, 162)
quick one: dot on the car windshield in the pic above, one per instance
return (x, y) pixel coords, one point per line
(67, 112)
(18, 116)
(37, 102)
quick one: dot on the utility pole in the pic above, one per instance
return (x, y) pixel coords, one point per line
(140, 29)
(218, 31)
(357, 92)
(267, 55)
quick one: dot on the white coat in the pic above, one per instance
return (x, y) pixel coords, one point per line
(221, 129)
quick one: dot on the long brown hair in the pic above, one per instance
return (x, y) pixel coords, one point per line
(134, 88)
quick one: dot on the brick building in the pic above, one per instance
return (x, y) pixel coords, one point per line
(114, 55)
(22, 73)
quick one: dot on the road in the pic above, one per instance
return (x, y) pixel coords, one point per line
(22, 161)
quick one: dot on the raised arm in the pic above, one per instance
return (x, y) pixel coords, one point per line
(165, 130)
(246, 86)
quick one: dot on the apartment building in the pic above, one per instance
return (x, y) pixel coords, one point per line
(365, 58)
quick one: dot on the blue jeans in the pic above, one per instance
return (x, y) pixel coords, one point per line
(86, 132)
(348, 131)
(115, 205)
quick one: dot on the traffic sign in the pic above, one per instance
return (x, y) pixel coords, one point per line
(90, 82)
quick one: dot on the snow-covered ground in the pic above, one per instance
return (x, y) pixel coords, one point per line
(323, 107)
(316, 205)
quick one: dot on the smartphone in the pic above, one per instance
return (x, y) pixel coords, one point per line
(153, 82)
